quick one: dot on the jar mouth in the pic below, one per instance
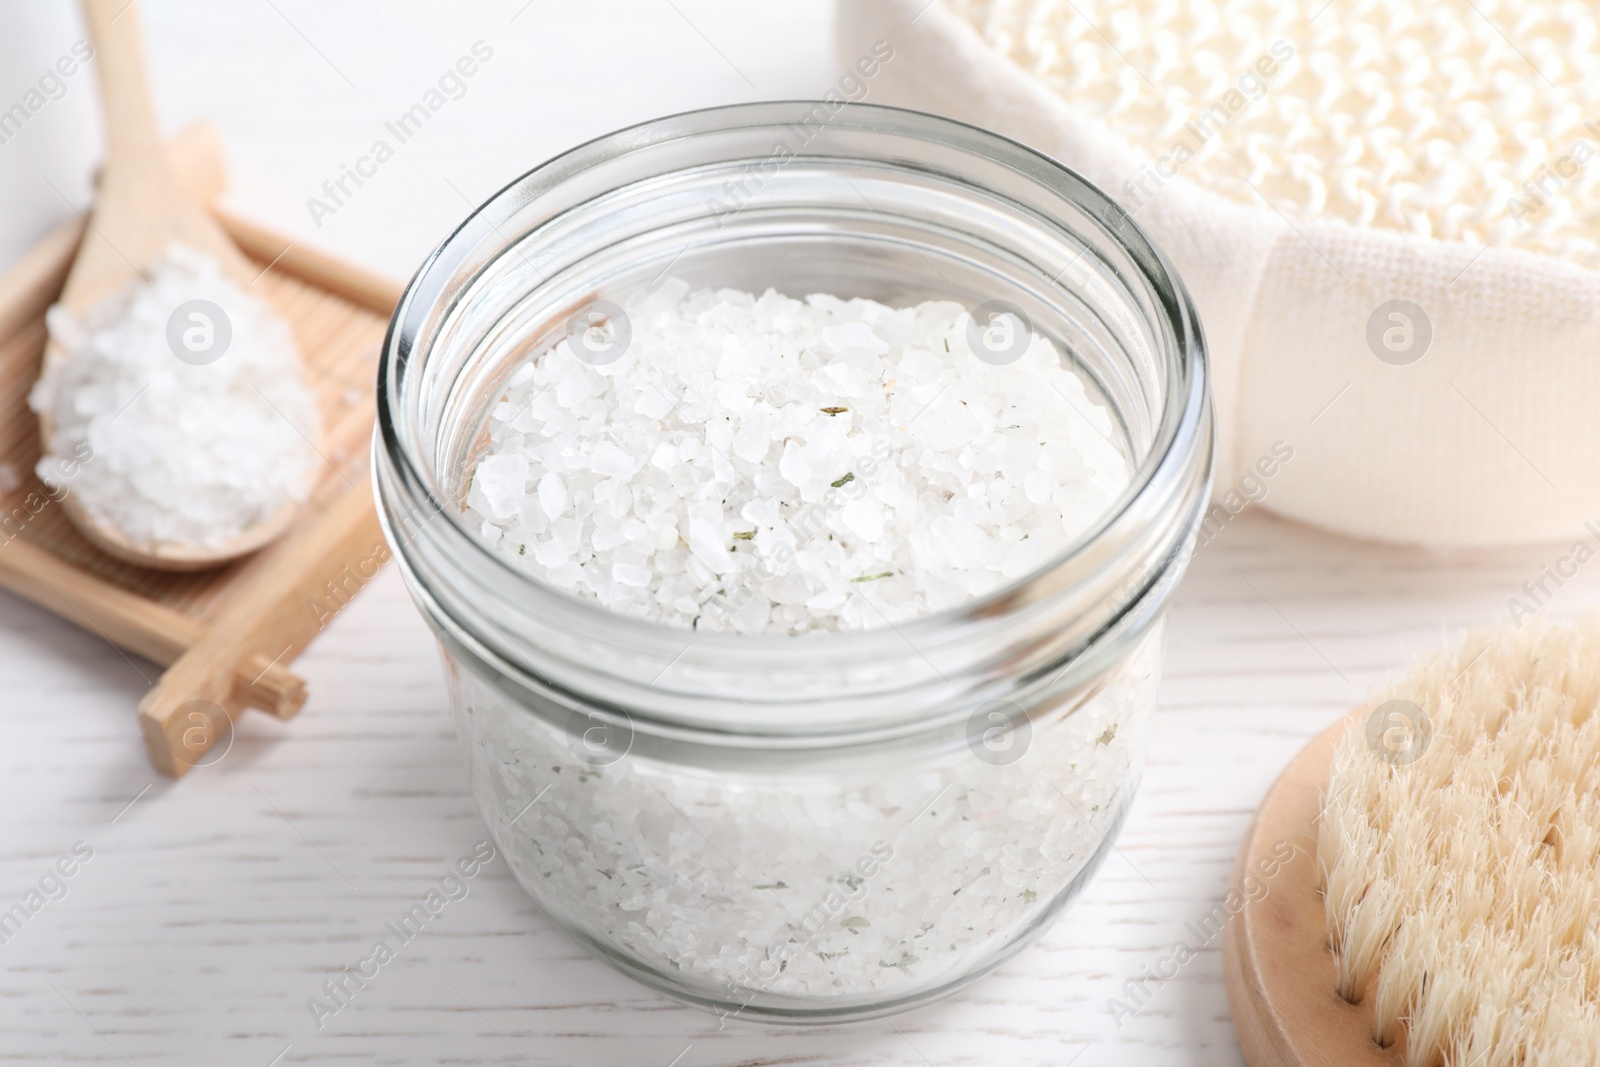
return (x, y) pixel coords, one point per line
(1034, 209)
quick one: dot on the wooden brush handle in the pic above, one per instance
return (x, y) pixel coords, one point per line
(1276, 965)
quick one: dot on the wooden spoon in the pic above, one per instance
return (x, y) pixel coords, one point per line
(140, 211)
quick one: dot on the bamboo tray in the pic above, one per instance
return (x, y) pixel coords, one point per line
(226, 635)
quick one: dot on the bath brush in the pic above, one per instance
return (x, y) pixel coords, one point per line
(1443, 906)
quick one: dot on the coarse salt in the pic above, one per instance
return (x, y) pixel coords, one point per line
(761, 463)
(747, 882)
(179, 453)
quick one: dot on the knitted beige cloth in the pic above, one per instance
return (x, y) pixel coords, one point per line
(1387, 214)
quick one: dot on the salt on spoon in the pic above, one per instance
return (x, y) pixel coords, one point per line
(140, 214)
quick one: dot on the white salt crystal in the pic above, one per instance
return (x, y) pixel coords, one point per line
(777, 458)
(853, 339)
(632, 574)
(665, 457)
(552, 495)
(653, 403)
(610, 460)
(864, 518)
(503, 481)
(706, 544)
(793, 465)
(1037, 485)
(754, 437)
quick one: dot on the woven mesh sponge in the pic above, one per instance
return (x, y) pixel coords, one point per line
(1477, 122)
(1386, 212)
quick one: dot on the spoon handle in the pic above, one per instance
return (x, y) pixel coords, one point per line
(132, 136)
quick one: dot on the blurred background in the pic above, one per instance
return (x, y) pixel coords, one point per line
(299, 88)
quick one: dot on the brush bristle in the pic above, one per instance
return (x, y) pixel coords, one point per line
(1460, 868)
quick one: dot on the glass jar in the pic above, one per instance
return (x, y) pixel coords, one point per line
(808, 828)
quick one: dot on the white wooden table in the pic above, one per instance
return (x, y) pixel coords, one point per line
(214, 908)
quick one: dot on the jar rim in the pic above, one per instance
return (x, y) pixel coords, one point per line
(1181, 444)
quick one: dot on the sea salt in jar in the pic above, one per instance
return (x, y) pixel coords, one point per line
(829, 825)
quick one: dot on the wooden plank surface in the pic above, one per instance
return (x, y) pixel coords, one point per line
(213, 908)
